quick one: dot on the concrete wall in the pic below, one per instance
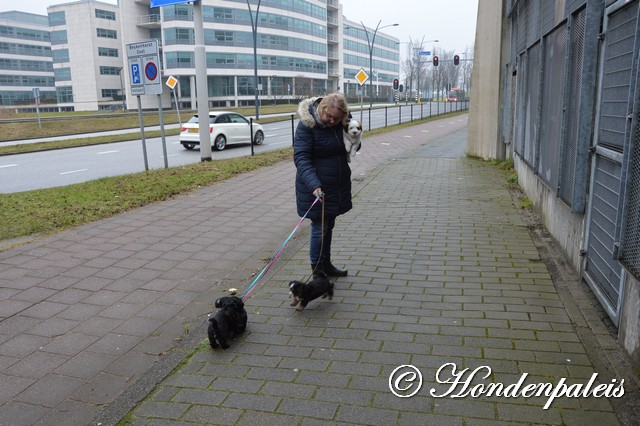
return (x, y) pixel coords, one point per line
(484, 111)
(566, 228)
(629, 327)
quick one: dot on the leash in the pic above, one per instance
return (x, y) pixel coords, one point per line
(279, 252)
(321, 243)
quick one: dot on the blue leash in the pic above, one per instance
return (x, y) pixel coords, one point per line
(279, 252)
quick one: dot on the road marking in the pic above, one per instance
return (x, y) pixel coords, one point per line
(108, 152)
(73, 171)
(8, 165)
(385, 143)
(408, 136)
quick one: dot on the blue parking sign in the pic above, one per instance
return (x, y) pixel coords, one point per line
(135, 74)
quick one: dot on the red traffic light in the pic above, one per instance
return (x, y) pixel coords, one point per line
(456, 60)
(435, 61)
(395, 84)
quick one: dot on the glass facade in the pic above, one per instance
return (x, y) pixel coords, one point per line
(297, 42)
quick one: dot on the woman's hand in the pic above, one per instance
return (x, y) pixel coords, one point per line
(317, 192)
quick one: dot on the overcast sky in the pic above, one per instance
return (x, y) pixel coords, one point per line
(453, 22)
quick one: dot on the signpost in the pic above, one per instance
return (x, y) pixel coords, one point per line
(144, 71)
(36, 97)
(362, 77)
(171, 83)
(425, 53)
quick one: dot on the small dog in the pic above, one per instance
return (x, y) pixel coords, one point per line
(302, 293)
(229, 321)
(352, 137)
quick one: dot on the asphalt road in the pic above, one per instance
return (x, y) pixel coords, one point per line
(54, 168)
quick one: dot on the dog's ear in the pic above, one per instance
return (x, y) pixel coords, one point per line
(219, 302)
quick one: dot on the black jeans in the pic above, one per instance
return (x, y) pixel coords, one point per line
(320, 245)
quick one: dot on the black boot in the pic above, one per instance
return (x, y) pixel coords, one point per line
(332, 271)
(318, 270)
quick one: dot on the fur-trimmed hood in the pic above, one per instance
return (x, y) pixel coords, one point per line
(308, 112)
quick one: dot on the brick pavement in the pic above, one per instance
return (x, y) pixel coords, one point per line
(442, 269)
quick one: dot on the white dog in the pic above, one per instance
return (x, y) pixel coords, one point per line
(352, 137)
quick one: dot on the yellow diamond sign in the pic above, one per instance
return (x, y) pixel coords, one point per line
(362, 76)
(171, 82)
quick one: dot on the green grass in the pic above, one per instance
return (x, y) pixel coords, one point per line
(51, 210)
(97, 122)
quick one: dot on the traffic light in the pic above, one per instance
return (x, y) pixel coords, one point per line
(456, 60)
(395, 84)
(435, 61)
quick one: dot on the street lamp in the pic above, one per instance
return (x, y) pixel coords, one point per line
(416, 51)
(254, 29)
(370, 43)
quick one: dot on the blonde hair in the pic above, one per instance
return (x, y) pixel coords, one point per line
(334, 100)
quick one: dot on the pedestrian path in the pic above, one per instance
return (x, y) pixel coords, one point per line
(444, 276)
(443, 271)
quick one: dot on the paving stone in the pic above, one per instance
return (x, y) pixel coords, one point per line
(434, 279)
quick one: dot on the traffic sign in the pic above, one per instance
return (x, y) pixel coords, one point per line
(156, 3)
(425, 53)
(144, 69)
(171, 82)
(362, 76)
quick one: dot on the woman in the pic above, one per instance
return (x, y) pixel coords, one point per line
(322, 170)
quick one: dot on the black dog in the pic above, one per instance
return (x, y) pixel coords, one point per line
(303, 293)
(229, 321)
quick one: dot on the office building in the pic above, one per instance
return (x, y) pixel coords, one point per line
(303, 48)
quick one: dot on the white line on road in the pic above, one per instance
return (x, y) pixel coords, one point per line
(108, 152)
(74, 171)
(8, 165)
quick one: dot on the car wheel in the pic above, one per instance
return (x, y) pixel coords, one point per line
(189, 146)
(258, 138)
(220, 143)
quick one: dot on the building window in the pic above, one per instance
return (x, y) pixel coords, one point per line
(62, 74)
(105, 14)
(109, 70)
(104, 33)
(60, 55)
(59, 37)
(64, 94)
(105, 51)
(110, 93)
(57, 18)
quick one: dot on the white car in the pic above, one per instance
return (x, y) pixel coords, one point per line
(224, 128)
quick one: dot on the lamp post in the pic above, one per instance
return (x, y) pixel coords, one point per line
(417, 49)
(370, 43)
(254, 29)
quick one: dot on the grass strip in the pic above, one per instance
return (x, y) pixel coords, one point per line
(51, 210)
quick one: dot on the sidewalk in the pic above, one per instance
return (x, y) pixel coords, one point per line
(442, 269)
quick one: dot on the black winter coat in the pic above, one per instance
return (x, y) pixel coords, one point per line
(321, 161)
